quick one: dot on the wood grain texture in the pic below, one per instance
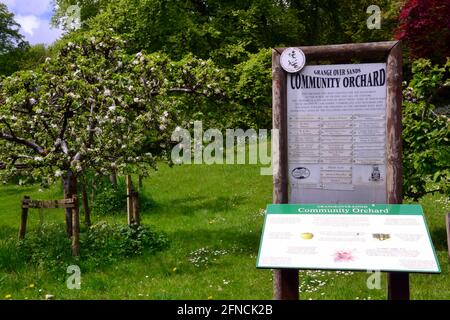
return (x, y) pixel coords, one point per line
(285, 281)
(48, 204)
(23, 220)
(398, 282)
(394, 170)
(347, 51)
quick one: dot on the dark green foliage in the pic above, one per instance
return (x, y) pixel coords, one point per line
(111, 200)
(426, 130)
(49, 248)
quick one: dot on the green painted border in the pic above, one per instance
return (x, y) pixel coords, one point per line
(399, 206)
(393, 209)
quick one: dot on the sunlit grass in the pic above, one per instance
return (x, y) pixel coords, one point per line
(212, 215)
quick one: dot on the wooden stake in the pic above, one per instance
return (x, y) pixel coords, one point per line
(136, 214)
(23, 219)
(75, 228)
(141, 183)
(447, 226)
(86, 209)
(130, 207)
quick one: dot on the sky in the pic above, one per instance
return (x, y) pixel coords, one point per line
(34, 17)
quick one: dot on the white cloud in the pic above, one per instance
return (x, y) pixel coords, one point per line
(34, 19)
(28, 24)
(27, 7)
(37, 30)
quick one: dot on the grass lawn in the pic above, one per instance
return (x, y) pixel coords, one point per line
(213, 218)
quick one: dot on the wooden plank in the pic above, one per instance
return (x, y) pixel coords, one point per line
(23, 220)
(447, 226)
(398, 282)
(347, 51)
(48, 204)
(285, 281)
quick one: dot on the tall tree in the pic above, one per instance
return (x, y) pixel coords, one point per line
(12, 43)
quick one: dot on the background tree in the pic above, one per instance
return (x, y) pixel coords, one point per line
(426, 130)
(425, 28)
(12, 44)
(91, 108)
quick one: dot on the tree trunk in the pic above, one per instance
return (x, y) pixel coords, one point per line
(86, 209)
(140, 183)
(70, 189)
(113, 178)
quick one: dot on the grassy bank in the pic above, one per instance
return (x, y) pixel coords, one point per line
(213, 217)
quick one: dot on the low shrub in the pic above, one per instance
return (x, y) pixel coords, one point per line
(102, 244)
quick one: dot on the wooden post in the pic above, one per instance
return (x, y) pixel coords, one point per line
(23, 219)
(75, 228)
(285, 281)
(86, 209)
(398, 282)
(398, 286)
(136, 214)
(447, 226)
(141, 182)
(130, 207)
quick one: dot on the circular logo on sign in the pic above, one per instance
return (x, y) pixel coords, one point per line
(301, 173)
(292, 60)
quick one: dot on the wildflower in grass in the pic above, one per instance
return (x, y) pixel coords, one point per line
(174, 269)
(210, 297)
(31, 285)
(8, 296)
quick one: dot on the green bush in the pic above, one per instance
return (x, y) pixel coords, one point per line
(102, 244)
(110, 200)
(426, 131)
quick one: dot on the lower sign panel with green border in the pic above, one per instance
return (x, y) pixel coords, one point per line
(347, 237)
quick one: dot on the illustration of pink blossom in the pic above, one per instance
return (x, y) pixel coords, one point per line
(343, 255)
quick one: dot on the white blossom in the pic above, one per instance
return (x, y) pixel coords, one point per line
(32, 101)
(107, 93)
(112, 108)
(58, 173)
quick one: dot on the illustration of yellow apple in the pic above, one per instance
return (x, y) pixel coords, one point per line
(307, 235)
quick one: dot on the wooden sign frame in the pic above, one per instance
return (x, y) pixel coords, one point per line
(286, 281)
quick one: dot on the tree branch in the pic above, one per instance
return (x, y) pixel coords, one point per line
(24, 142)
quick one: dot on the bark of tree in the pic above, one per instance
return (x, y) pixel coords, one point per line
(70, 189)
(86, 209)
(113, 178)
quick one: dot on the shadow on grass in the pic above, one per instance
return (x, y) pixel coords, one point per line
(439, 237)
(226, 238)
(190, 205)
(7, 232)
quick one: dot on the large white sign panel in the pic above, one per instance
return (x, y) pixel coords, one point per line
(347, 237)
(337, 133)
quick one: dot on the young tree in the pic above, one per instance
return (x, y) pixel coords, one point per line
(92, 107)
